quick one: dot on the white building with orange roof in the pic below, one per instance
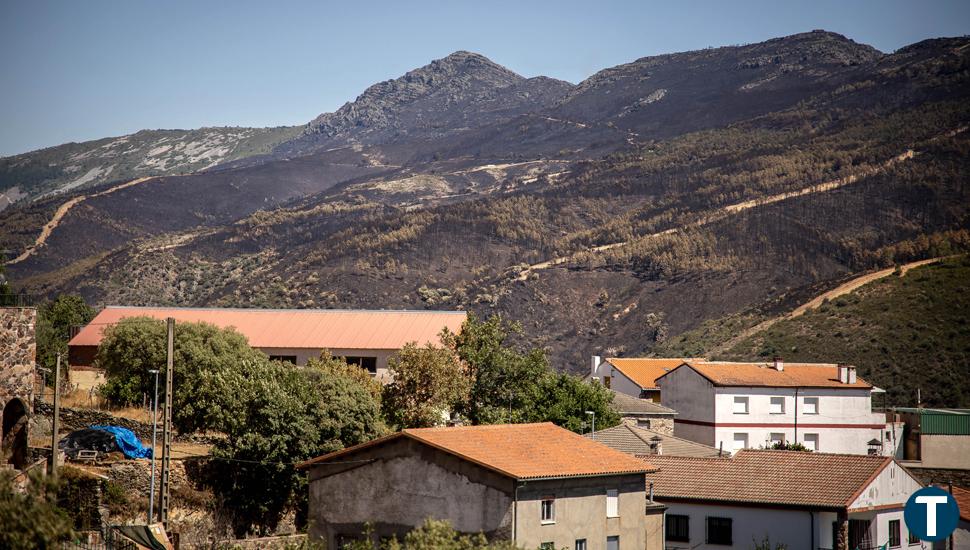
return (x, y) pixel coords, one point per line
(635, 376)
(734, 406)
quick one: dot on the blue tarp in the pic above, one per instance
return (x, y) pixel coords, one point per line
(127, 441)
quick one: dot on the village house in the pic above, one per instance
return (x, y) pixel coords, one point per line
(364, 337)
(643, 413)
(802, 500)
(734, 406)
(637, 441)
(634, 376)
(537, 485)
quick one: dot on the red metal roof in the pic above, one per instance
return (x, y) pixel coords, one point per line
(803, 375)
(298, 328)
(519, 451)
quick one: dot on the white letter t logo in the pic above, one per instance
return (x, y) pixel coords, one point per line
(931, 503)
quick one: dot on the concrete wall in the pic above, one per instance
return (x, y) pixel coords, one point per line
(580, 505)
(18, 353)
(692, 396)
(945, 451)
(405, 484)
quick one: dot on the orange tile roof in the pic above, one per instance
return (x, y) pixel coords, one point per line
(962, 496)
(298, 328)
(783, 478)
(519, 451)
(645, 370)
(803, 375)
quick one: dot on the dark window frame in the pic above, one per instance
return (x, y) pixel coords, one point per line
(720, 530)
(895, 533)
(367, 363)
(551, 518)
(283, 358)
(678, 528)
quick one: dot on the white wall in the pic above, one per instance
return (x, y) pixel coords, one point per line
(843, 423)
(791, 527)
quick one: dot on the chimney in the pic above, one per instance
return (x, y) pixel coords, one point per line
(843, 373)
(779, 364)
(651, 491)
(594, 364)
(656, 445)
(852, 378)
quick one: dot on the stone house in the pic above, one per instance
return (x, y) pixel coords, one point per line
(18, 352)
(644, 413)
(802, 500)
(637, 441)
(538, 485)
(368, 338)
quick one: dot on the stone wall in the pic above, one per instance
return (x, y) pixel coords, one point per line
(18, 351)
(76, 419)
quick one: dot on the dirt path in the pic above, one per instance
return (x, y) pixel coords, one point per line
(62, 211)
(732, 209)
(815, 302)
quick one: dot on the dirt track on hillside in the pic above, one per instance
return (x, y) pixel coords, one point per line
(731, 209)
(815, 302)
(62, 211)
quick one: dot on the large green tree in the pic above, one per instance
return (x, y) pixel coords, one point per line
(429, 383)
(284, 415)
(54, 322)
(207, 367)
(514, 385)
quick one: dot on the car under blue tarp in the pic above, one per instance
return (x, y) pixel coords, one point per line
(128, 442)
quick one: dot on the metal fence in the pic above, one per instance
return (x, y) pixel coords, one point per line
(106, 539)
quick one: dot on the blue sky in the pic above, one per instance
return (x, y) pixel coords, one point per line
(78, 70)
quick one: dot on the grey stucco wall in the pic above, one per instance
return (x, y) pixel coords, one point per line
(397, 486)
(581, 512)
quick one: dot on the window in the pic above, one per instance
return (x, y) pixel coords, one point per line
(719, 531)
(777, 439)
(678, 528)
(580, 544)
(548, 510)
(368, 363)
(740, 405)
(894, 537)
(613, 543)
(547, 546)
(913, 539)
(810, 405)
(740, 442)
(283, 358)
(612, 503)
(777, 405)
(811, 442)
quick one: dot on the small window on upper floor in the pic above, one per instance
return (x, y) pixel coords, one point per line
(811, 442)
(777, 405)
(547, 510)
(740, 405)
(810, 405)
(612, 503)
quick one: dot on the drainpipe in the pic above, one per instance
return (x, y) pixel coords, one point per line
(796, 416)
(515, 511)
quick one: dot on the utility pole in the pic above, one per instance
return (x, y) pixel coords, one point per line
(167, 425)
(151, 491)
(57, 416)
